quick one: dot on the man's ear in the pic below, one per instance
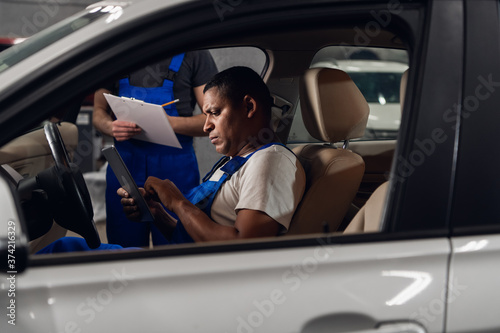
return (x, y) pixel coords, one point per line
(251, 105)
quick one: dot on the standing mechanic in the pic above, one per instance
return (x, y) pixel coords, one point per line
(182, 77)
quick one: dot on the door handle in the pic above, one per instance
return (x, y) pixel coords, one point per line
(395, 328)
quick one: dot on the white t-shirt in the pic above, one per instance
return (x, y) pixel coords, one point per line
(271, 181)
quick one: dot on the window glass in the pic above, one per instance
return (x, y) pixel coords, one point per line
(91, 162)
(248, 56)
(224, 58)
(377, 73)
(85, 144)
(252, 57)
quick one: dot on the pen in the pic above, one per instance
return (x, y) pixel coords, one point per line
(171, 102)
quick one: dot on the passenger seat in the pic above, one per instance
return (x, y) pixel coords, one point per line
(333, 110)
(369, 217)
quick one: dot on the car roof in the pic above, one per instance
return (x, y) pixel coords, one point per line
(134, 11)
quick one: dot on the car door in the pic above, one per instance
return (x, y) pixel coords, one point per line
(474, 286)
(389, 281)
(317, 287)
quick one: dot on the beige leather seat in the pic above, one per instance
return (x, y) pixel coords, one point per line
(333, 110)
(369, 217)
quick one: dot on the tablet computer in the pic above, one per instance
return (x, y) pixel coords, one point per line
(127, 182)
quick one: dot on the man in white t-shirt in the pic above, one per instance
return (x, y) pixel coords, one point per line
(272, 181)
(252, 192)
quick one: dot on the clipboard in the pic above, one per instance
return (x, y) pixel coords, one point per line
(151, 118)
(127, 182)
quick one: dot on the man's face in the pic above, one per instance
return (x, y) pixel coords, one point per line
(224, 123)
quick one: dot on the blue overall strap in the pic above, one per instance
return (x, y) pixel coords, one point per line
(176, 62)
(204, 194)
(216, 166)
(155, 95)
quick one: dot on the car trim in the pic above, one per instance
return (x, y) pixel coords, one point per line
(228, 247)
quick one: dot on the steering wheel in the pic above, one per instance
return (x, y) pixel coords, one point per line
(67, 191)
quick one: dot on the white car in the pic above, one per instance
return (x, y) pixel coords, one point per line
(424, 254)
(379, 81)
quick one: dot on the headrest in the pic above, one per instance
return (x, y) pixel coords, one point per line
(332, 106)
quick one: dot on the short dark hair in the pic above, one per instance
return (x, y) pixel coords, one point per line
(236, 82)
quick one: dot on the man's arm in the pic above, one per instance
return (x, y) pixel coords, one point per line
(249, 223)
(191, 126)
(103, 121)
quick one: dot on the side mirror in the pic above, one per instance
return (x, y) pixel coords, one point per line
(13, 241)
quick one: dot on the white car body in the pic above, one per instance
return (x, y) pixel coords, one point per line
(402, 279)
(384, 113)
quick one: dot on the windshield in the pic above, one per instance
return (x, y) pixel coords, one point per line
(20, 51)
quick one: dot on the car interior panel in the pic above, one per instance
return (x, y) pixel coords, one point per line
(30, 154)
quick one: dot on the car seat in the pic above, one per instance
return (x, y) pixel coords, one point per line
(333, 110)
(369, 217)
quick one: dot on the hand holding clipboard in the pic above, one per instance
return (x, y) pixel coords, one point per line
(151, 118)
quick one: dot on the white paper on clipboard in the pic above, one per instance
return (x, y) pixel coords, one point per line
(151, 118)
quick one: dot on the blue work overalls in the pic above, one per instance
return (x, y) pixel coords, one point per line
(145, 159)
